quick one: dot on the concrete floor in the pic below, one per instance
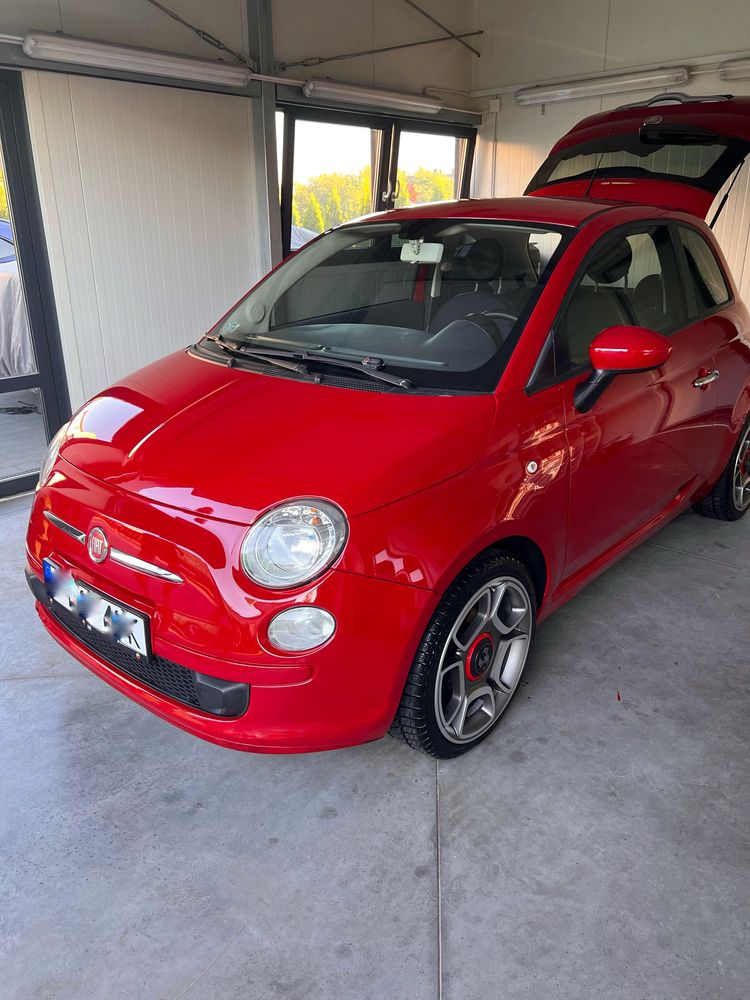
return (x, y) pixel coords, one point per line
(23, 437)
(590, 848)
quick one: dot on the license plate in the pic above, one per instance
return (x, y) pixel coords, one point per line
(99, 612)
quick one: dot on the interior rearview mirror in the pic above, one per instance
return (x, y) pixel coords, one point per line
(620, 350)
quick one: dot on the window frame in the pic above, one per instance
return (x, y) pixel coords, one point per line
(536, 383)
(695, 311)
(391, 126)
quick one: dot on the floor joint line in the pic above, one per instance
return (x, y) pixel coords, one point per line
(697, 555)
(439, 882)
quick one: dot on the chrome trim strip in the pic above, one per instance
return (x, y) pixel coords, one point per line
(133, 562)
(80, 536)
(116, 555)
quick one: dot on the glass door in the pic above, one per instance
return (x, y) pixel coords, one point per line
(33, 403)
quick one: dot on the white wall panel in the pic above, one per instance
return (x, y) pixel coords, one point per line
(148, 202)
(733, 231)
(537, 40)
(331, 27)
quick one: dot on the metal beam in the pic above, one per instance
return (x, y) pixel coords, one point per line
(442, 27)
(260, 48)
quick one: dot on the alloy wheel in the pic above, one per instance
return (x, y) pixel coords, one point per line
(483, 659)
(741, 475)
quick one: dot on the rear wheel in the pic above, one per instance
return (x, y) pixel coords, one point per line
(730, 498)
(470, 660)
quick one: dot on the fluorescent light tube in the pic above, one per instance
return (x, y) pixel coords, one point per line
(330, 91)
(738, 69)
(82, 52)
(574, 89)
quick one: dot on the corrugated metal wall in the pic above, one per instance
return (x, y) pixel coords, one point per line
(148, 200)
(733, 232)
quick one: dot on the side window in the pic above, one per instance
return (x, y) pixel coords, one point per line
(631, 280)
(705, 273)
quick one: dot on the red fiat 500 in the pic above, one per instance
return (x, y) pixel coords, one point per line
(347, 507)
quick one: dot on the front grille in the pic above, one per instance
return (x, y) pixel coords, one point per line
(162, 675)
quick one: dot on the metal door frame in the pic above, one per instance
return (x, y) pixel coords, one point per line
(33, 263)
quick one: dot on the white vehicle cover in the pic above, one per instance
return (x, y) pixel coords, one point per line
(16, 351)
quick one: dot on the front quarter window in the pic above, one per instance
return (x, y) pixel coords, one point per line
(440, 303)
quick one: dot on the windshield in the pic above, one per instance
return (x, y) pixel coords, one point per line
(439, 302)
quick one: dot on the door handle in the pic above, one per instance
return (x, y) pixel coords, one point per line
(703, 380)
(391, 192)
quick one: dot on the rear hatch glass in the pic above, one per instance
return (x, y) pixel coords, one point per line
(678, 158)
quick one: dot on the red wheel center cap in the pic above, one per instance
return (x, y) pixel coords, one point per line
(479, 656)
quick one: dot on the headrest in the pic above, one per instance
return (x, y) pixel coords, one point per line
(613, 265)
(483, 260)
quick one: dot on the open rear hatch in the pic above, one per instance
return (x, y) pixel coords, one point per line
(675, 155)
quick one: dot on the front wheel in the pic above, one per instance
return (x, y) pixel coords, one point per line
(470, 660)
(729, 500)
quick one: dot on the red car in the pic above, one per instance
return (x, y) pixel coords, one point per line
(346, 509)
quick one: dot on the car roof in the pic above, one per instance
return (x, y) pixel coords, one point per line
(541, 211)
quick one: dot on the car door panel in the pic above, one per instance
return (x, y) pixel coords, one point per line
(626, 464)
(729, 332)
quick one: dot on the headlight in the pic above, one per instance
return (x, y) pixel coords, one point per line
(302, 627)
(51, 456)
(293, 543)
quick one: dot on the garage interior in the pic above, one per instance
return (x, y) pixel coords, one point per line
(596, 845)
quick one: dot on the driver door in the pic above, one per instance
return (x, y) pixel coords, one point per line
(650, 438)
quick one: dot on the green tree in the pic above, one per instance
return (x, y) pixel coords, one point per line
(330, 199)
(423, 185)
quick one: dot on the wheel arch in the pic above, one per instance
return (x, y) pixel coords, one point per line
(741, 410)
(520, 547)
(527, 551)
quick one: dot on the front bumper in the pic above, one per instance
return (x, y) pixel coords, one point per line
(344, 693)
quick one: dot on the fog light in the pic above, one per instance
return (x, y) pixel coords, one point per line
(301, 628)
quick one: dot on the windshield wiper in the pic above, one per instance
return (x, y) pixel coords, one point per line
(348, 352)
(269, 359)
(369, 367)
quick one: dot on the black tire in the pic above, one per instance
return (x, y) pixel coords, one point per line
(721, 502)
(416, 720)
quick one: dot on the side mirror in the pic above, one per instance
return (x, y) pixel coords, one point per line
(620, 350)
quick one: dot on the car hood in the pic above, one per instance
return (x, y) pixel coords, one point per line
(228, 443)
